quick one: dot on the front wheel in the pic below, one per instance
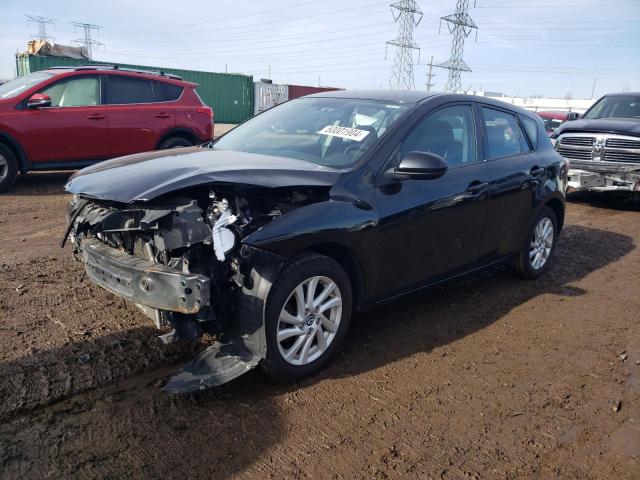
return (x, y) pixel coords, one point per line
(307, 317)
(535, 257)
(8, 168)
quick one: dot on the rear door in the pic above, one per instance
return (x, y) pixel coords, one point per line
(73, 129)
(516, 171)
(136, 120)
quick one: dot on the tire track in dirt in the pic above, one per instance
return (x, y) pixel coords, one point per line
(490, 377)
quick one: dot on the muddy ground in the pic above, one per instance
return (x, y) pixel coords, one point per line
(491, 377)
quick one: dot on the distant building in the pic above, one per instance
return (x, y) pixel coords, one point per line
(540, 103)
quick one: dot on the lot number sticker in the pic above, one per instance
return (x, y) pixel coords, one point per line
(344, 132)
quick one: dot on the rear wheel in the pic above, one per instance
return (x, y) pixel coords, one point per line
(8, 168)
(307, 317)
(175, 142)
(535, 257)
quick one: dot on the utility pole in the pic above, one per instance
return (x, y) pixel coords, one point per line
(87, 41)
(593, 89)
(42, 25)
(460, 26)
(430, 75)
(407, 15)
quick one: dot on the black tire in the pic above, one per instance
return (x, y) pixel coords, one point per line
(293, 274)
(8, 168)
(175, 142)
(523, 262)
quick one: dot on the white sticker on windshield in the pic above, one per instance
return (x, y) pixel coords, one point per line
(344, 132)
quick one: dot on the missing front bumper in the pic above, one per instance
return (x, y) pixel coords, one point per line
(151, 284)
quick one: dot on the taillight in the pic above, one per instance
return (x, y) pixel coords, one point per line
(207, 110)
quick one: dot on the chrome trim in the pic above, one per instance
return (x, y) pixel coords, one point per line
(598, 150)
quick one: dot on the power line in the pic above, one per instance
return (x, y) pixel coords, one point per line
(87, 41)
(460, 26)
(407, 15)
(42, 25)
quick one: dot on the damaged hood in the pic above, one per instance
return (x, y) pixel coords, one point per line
(149, 175)
(628, 126)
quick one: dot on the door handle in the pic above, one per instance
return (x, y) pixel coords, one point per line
(477, 188)
(535, 171)
(96, 116)
(162, 115)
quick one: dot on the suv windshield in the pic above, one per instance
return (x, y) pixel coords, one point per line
(20, 84)
(615, 106)
(327, 131)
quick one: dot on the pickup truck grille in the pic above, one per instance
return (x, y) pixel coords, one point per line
(599, 148)
(622, 143)
(578, 141)
(575, 154)
(613, 156)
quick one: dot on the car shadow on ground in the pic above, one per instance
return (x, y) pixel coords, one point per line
(607, 200)
(132, 426)
(40, 183)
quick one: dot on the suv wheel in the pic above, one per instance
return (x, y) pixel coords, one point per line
(175, 142)
(8, 168)
(307, 317)
(535, 257)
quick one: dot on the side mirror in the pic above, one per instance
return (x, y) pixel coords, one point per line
(572, 116)
(421, 165)
(39, 100)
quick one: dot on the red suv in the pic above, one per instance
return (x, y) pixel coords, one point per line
(68, 118)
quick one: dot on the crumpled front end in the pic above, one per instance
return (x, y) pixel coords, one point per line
(181, 259)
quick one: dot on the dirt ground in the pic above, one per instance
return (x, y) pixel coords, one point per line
(491, 377)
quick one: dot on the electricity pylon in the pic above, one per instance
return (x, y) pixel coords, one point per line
(460, 26)
(407, 15)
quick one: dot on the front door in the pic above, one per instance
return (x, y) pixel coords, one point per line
(73, 129)
(430, 229)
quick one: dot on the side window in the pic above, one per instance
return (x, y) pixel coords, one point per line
(125, 90)
(75, 92)
(504, 136)
(448, 132)
(166, 92)
(532, 130)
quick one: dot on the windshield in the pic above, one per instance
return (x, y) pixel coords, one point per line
(327, 131)
(615, 106)
(20, 84)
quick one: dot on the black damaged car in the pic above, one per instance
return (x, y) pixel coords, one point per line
(273, 236)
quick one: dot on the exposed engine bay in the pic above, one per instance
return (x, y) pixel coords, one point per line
(180, 258)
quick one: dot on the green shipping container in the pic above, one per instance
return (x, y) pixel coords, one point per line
(230, 95)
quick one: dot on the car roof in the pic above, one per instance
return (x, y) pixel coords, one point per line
(623, 94)
(119, 71)
(553, 113)
(415, 96)
(396, 96)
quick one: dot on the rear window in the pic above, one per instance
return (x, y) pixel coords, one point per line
(125, 90)
(504, 136)
(166, 92)
(532, 129)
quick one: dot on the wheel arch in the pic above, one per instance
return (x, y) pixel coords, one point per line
(9, 142)
(180, 132)
(348, 260)
(558, 208)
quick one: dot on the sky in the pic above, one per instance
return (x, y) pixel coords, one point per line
(552, 48)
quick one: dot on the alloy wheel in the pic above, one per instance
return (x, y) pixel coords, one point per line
(541, 243)
(309, 320)
(4, 167)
